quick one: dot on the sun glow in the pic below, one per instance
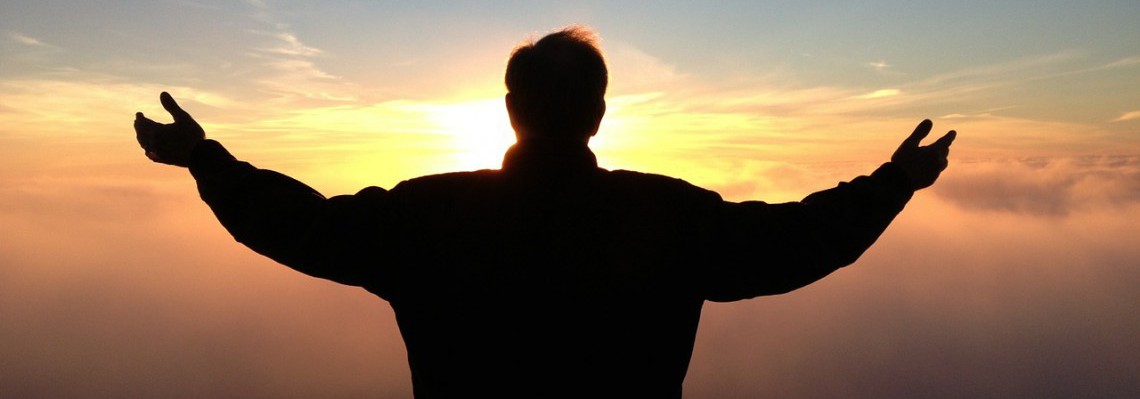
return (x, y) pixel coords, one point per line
(480, 130)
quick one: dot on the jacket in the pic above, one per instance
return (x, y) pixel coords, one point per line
(550, 277)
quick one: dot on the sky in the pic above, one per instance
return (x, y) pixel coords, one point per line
(1016, 275)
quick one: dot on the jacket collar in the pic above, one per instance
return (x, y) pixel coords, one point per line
(549, 155)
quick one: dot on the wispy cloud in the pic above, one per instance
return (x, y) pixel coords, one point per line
(1001, 71)
(879, 66)
(881, 93)
(92, 105)
(26, 40)
(1127, 116)
(289, 45)
(1124, 62)
(939, 94)
(632, 70)
(977, 114)
(294, 73)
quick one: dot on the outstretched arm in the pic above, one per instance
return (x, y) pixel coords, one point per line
(269, 212)
(767, 249)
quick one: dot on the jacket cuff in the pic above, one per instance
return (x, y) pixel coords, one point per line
(894, 176)
(209, 158)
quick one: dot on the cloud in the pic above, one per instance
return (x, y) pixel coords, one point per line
(1127, 116)
(108, 298)
(293, 76)
(945, 291)
(83, 106)
(26, 40)
(634, 71)
(997, 72)
(879, 66)
(291, 46)
(92, 200)
(25, 54)
(978, 114)
(1123, 63)
(119, 283)
(881, 93)
(1054, 187)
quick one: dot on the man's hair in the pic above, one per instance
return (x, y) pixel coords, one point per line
(558, 83)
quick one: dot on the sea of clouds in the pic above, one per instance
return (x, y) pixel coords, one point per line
(1009, 278)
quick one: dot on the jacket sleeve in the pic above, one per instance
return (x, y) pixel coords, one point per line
(288, 221)
(768, 249)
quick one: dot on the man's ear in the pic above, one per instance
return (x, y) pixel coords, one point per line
(509, 99)
(513, 113)
(601, 112)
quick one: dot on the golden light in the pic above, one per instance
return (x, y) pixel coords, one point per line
(480, 130)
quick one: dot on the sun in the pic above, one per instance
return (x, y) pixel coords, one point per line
(480, 131)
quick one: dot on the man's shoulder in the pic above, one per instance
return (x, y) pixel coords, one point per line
(447, 180)
(653, 182)
(620, 180)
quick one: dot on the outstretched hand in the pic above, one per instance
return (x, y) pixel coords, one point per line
(169, 143)
(923, 164)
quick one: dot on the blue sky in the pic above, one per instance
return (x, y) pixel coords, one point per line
(1051, 55)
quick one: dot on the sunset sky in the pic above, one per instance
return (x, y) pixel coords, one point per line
(1016, 275)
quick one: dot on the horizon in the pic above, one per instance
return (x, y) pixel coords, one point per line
(1013, 276)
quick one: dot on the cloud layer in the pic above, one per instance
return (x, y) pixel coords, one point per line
(126, 287)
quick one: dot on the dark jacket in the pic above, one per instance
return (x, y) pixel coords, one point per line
(550, 277)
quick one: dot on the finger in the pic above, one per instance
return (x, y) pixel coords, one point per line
(946, 140)
(172, 107)
(920, 133)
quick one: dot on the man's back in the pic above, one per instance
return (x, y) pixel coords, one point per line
(501, 273)
(551, 274)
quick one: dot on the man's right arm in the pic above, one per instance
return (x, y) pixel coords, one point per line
(289, 222)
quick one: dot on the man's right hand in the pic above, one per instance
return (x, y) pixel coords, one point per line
(923, 164)
(169, 143)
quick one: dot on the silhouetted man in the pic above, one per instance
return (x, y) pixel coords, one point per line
(550, 277)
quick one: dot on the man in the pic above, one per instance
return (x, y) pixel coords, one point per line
(550, 277)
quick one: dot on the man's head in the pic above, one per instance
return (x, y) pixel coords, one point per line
(556, 86)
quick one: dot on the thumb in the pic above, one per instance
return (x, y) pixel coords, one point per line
(144, 130)
(142, 122)
(172, 107)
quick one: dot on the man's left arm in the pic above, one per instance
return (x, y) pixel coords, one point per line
(768, 249)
